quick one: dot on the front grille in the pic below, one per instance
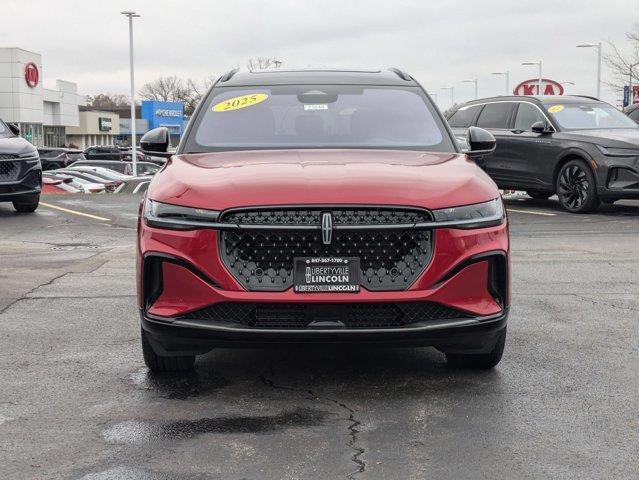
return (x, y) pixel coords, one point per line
(391, 257)
(309, 315)
(341, 216)
(8, 170)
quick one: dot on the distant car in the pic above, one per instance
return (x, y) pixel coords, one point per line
(109, 184)
(20, 170)
(81, 184)
(59, 184)
(633, 112)
(52, 158)
(582, 149)
(125, 168)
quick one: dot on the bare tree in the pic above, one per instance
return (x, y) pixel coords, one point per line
(108, 101)
(621, 64)
(263, 63)
(165, 89)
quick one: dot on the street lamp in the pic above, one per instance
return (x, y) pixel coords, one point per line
(598, 47)
(474, 80)
(452, 94)
(540, 78)
(134, 153)
(507, 75)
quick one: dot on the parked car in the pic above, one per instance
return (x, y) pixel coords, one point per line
(81, 184)
(633, 112)
(105, 152)
(321, 206)
(110, 185)
(584, 150)
(126, 168)
(52, 158)
(58, 184)
(20, 170)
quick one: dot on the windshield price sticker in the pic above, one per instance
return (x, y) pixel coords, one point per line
(556, 108)
(242, 101)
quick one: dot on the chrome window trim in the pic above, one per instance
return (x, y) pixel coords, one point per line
(517, 101)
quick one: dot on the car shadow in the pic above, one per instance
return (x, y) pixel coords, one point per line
(323, 371)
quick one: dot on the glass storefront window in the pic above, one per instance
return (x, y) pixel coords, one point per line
(32, 132)
(54, 136)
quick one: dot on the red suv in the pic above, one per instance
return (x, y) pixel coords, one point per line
(321, 206)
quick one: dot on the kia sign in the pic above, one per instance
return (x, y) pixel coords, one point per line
(530, 87)
(31, 74)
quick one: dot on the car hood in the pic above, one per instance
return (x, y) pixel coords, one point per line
(614, 137)
(224, 180)
(15, 146)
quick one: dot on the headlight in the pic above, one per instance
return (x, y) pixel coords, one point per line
(478, 215)
(176, 217)
(619, 152)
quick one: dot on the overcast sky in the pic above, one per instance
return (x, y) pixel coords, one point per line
(440, 42)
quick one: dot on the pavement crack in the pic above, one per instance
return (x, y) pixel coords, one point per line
(606, 304)
(353, 432)
(25, 296)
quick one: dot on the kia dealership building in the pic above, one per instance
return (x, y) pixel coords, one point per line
(43, 114)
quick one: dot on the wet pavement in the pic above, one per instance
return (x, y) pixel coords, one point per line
(77, 403)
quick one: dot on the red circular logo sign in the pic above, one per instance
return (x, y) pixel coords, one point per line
(31, 74)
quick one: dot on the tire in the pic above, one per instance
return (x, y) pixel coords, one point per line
(161, 364)
(28, 204)
(481, 361)
(537, 195)
(577, 188)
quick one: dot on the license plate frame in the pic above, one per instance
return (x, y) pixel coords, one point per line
(326, 274)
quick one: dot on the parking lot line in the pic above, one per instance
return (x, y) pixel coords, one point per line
(531, 212)
(75, 212)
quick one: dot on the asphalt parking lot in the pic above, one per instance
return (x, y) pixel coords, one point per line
(77, 402)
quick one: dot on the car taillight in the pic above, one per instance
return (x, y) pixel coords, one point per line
(95, 190)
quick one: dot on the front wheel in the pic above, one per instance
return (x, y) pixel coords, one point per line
(27, 204)
(163, 364)
(479, 361)
(576, 187)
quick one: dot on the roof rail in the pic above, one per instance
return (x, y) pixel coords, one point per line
(227, 76)
(400, 74)
(586, 96)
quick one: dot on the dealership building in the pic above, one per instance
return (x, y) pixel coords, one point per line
(56, 117)
(42, 114)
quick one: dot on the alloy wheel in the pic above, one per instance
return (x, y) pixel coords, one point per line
(573, 187)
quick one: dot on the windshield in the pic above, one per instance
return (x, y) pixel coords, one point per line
(320, 116)
(588, 116)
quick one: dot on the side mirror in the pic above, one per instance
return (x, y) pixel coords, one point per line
(541, 127)
(14, 128)
(156, 142)
(480, 141)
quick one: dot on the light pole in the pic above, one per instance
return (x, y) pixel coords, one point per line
(540, 77)
(474, 81)
(507, 75)
(134, 153)
(433, 95)
(452, 94)
(598, 47)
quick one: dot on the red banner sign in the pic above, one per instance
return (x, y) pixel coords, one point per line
(531, 87)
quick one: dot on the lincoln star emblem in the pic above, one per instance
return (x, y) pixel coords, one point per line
(327, 228)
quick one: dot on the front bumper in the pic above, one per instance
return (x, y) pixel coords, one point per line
(193, 278)
(29, 183)
(173, 337)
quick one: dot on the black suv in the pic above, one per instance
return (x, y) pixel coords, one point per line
(584, 150)
(20, 170)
